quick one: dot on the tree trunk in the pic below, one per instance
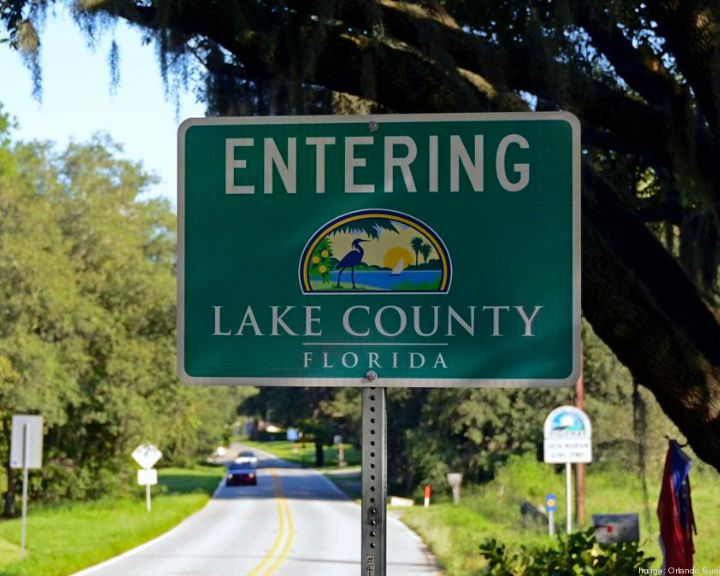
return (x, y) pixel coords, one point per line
(641, 303)
(319, 454)
(9, 510)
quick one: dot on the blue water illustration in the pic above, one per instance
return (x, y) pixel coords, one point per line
(386, 280)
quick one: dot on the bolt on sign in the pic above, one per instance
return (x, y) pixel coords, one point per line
(434, 250)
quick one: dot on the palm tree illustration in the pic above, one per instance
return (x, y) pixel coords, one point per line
(371, 227)
(417, 244)
(350, 260)
(425, 251)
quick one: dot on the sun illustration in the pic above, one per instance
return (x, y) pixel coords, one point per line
(394, 255)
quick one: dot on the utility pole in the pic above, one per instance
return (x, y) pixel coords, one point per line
(580, 467)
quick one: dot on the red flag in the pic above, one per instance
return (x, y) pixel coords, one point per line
(675, 510)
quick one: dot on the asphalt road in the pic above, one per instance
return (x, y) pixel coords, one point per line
(293, 523)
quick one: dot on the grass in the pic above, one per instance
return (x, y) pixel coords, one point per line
(63, 539)
(454, 533)
(202, 479)
(303, 453)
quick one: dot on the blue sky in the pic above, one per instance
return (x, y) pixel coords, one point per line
(78, 101)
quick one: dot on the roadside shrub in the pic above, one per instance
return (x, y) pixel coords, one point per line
(526, 477)
(578, 553)
(62, 480)
(59, 480)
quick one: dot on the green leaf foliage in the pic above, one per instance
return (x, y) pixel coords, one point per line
(320, 413)
(87, 301)
(370, 226)
(578, 553)
(476, 431)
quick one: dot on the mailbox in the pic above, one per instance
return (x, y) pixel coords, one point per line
(610, 528)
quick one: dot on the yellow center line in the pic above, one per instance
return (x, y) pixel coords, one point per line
(288, 543)
(272, 560)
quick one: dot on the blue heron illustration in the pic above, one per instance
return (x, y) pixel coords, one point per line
(350, 260)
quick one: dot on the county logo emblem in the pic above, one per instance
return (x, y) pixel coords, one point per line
(375, 251)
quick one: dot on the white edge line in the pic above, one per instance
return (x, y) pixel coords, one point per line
(414, 535)
(424, 547)
(140, 547)
(334, 486)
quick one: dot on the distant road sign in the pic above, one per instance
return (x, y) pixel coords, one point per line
(26, 447)
(147, 477)
(33, 427)
(551, 503)
(432, 250)
(293, 434)
(146, 455)
(567, 436)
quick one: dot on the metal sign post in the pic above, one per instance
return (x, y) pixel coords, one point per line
(374, 480)
(26, 445)
(147, 455)
(551, 506)
(147, 477)
(567, 440)
(26, 460)
(568, 495)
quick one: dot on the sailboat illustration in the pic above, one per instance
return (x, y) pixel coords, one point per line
(399, 267)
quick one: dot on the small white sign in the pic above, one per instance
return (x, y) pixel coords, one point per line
(146, 455)
(26, 429)
(568, 436)
(147, 477)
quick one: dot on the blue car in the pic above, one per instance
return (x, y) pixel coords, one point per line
(241, 474)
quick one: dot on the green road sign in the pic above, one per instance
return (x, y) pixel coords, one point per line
(433, 250)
